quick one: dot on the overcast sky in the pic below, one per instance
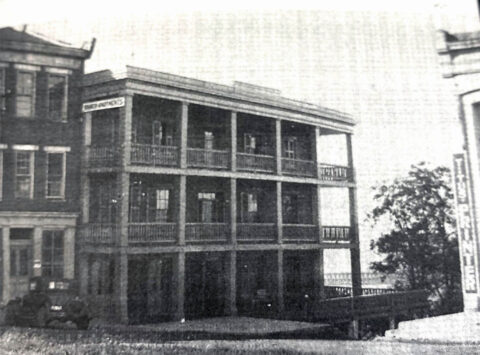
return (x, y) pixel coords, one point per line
(373, 59)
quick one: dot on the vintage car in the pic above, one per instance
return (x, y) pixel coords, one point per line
(48, 301)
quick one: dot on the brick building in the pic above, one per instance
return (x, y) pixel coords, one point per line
(40, 113)
(201, 199)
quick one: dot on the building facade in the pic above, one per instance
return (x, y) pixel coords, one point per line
(40, 113)
(201, 199)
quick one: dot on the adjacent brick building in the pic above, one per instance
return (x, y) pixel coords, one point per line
(40, 133)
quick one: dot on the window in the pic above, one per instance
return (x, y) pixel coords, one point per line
(19, 261)
(55, 175)
(291, 148)
(249, 207)
(157, 133)
(57, 97)
(103, 201)
(24, 163)
(250, 143)
(211, 209)
(208, 140)
(158, 205)
(52, 254)
(290, 209)
(25, 94)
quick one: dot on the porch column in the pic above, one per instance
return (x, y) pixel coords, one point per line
(5, 264)
(69, 253)
(83, 273)
(233, 210)
(179, 290)
(183, 135)
(233, 139)
(121, 275)
(181, 208)
(355, 249)
(280, 283)
(84, 181)
(318, 275)
(316, 149)
(37, 251)
(317, 211)
(126, 130)
(279, 216)
(278, 145)
(231, 294)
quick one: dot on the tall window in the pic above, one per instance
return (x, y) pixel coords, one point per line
(25, 94)
(250, 143)
(103, 201)
(290, 209)
(249, 207)
(52, 254)
(157, 133)
(211, 209)
(55, 175)
(57, 97)
(158, 205)
(24, 164)
(291, 148)
(208, 140)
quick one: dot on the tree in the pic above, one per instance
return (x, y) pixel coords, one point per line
(420, 246)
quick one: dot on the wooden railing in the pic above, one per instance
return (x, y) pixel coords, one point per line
(344, 309)
(299, 167)
(156, 155)
(329, 172)
(152, 233)
(256, 162)
(300, 233)
(342, 291)
(99, 157)
(98, 233)
(256, 232)
(206, 232)
(336, 234)
(205, 158)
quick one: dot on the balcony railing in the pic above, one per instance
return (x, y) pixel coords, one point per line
(207, 158)
(256, 232)
(336, 234)
(328, 172)
(99, 157)
(299, 167)
(206, 232)
(155, 155)
(139, 233)
(99, 233)
(343, 291)
(256, 163)
(300, 233)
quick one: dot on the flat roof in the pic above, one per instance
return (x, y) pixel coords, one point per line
(239, 91)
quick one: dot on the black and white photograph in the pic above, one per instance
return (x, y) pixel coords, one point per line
(239, 178)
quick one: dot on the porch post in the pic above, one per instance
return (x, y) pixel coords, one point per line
(83, 273)
(69, 253)
(233, 210)
(6, 263)
(318, 276)
(37, 251)
(231, 296)
(278, 146)
(84, 181)
(279, 216)
(233, 140)
(183, 135)
(280, 283)
(181, 208)
(179, 290)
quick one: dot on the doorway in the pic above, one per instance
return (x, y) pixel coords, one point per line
(20, 260)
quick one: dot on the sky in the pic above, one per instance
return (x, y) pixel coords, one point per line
(373, 59)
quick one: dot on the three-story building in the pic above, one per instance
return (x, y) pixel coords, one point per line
(201, 199)
(40, 135)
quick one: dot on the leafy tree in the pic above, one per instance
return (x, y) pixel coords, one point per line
(420, 246)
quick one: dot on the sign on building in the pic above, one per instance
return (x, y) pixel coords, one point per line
(466, 236)
(103, 104)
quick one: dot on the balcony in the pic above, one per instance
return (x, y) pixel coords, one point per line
(299, 167)
(256, 163)
(300, 233)
(154, 155)
(98, 233)
(152, 233)
(100, 157)
(206, 232)
(336, 234)
(208, 158)
(256, 232)
(328, 172)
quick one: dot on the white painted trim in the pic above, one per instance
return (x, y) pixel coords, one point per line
(56, 149)
(27, 67)
(59, 71)
(3, 146)
(24, 147)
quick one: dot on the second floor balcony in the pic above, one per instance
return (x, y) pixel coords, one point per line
(154, 155)
(208, 158)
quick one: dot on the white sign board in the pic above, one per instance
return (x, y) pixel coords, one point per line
(103, 104)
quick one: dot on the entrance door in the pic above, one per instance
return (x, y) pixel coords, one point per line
(150, 289)
(205, 286)
(20, 260)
